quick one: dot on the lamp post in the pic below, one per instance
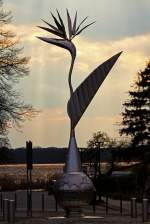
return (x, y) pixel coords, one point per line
(98, 147)
(98, 158)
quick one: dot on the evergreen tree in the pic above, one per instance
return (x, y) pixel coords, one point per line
(136, 115)
(13, 66)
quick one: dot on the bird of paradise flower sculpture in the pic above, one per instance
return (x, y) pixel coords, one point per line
(79, 98)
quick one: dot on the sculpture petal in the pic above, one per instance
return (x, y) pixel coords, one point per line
(84, 94)
(81, 23)
(69, 25)
(57, 22)
(68, 45)
(74, 24)
(62, 24)
(57, 33)
(53, 27)
(83, 28)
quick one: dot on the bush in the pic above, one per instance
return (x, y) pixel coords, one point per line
(7, 183)
(116, 187)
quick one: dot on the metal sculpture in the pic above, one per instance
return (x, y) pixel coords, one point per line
(74, 188)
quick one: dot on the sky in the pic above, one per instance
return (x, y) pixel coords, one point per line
(121, 25)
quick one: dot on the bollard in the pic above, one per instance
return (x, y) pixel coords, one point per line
(43, 202)
(106, 204)
(121, 205)
(133, 208)
(94, 208)
(94, 202)
(5, 209)
(11, 211)
(1, 201)
(145, 209)
(15, 198)
(56, 205)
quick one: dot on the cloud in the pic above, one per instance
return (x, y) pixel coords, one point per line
(114, 19)
(10, 6)
(88, 52)
(89, 125)
(49, 128)
(48, 87)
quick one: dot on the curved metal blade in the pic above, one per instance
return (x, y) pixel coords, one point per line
(57, 33)
(69, 24)
(68, 45)
(84, 94)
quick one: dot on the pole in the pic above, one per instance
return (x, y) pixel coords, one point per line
(11, 211)
(81, 156)
(27, 193)
(133, 208)
(106, 204)
(121, 205)
(30, 193)
(5, 209)
(56, 205)
(145, 209)
(29, 177)
(15, 199)
(95, 166)
(99, 158)
(1, 201)
(94, 203)
(43, 203)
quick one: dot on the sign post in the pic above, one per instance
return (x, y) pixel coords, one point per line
(29, 162)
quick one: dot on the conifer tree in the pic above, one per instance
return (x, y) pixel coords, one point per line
(136, 115)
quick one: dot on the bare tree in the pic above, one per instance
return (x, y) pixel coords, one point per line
(13, 67)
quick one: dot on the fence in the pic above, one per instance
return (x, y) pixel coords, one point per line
(12, 203)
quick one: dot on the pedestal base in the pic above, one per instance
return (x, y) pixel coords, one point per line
(73, 191)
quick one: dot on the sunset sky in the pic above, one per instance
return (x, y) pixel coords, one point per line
(121, 25)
